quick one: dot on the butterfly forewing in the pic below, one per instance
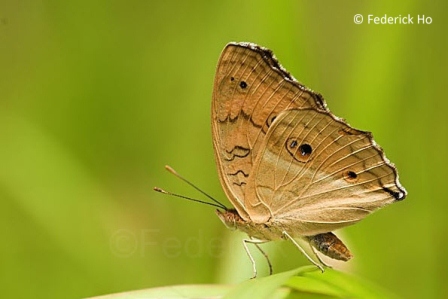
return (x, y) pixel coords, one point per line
(251, 90)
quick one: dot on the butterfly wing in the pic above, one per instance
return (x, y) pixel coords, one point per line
(250, 90)
(315, 174)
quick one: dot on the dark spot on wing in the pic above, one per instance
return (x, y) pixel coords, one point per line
(305, 149)
(300, 153)
(350, 176)
(396, 195)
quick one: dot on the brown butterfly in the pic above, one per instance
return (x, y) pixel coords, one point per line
(290, 167)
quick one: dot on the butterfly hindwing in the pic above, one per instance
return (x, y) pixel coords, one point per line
(316, 173)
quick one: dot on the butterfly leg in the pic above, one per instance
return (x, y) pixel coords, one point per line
(318, 257)
(303, 251)
(255, 242)
(266, 256)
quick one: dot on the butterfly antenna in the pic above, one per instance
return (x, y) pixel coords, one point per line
(215, 204)
(186, 197)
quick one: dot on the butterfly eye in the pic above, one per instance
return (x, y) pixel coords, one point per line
(350, 176)
(300, 152)
(243, 84)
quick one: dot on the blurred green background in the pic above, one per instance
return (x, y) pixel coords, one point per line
(97, 96)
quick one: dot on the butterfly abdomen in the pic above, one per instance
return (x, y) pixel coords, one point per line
(331, 246)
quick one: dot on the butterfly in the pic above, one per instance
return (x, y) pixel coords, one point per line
(291, 169)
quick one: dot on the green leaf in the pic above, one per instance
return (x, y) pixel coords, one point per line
(173, 292)
(264, 287)
(303, 282)
(335, 284)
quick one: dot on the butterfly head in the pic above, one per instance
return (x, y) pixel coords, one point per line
(230, 218)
